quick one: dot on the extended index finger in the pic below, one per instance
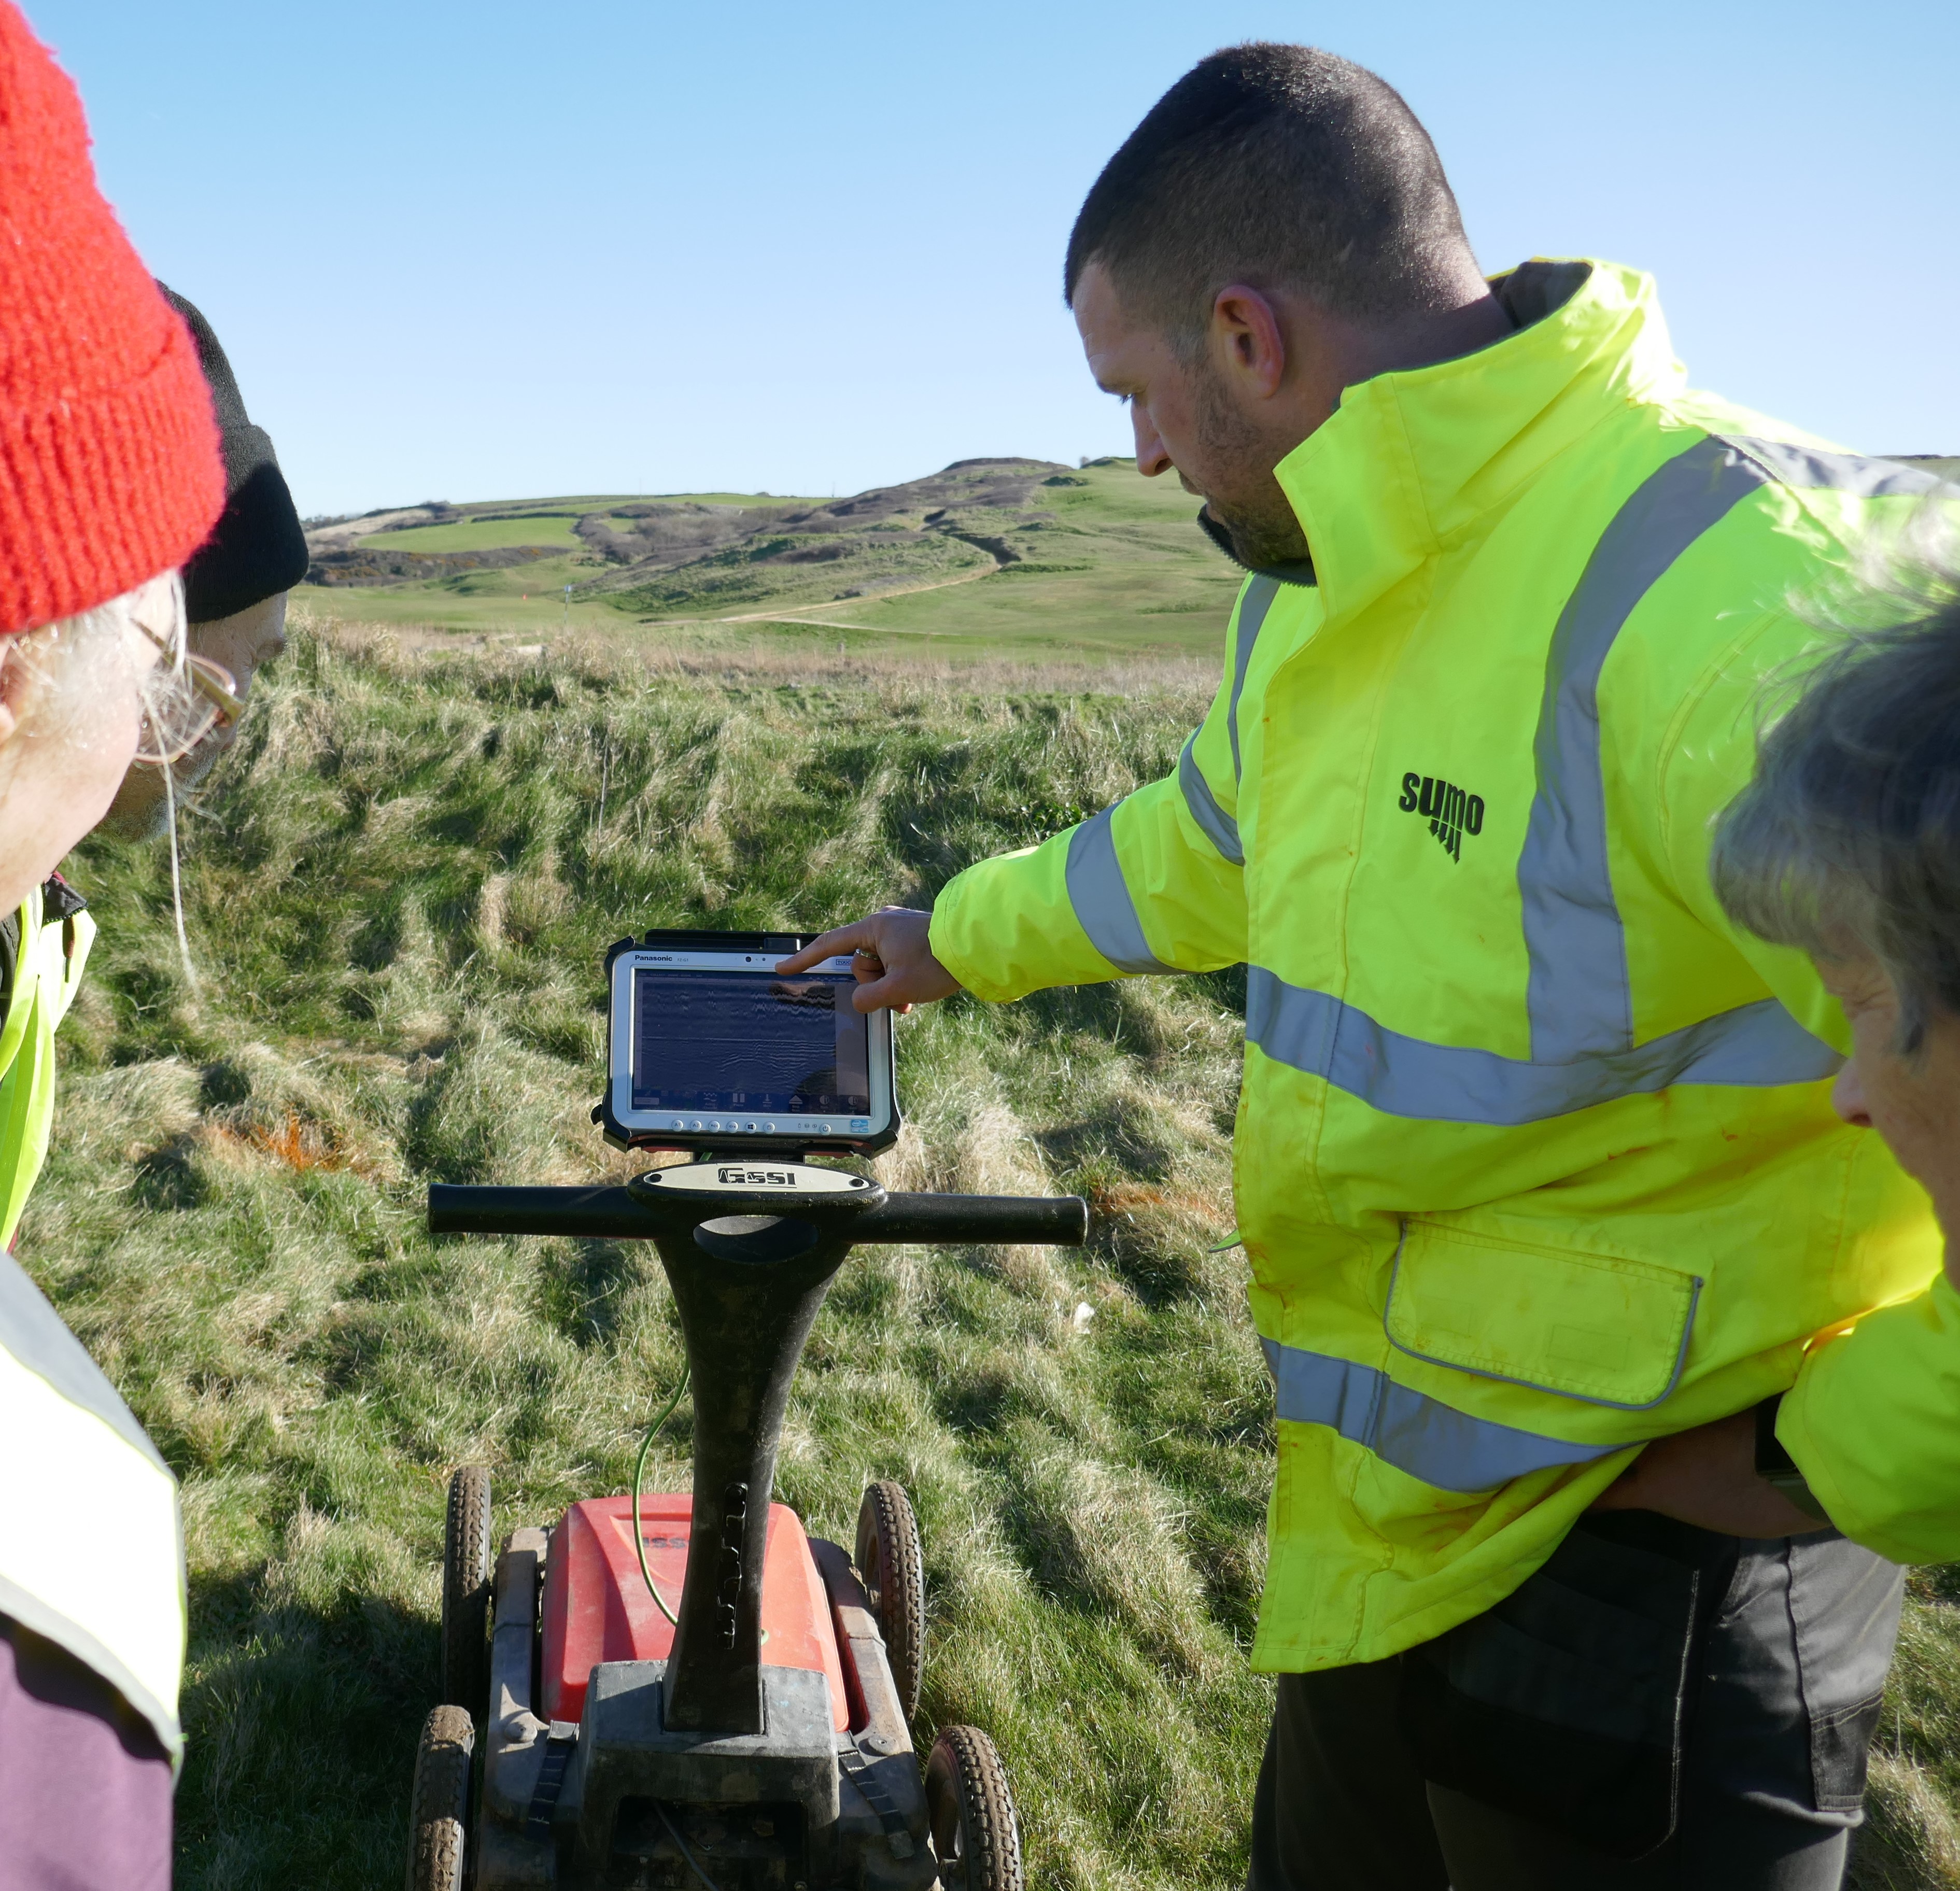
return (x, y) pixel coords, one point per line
(829, 945)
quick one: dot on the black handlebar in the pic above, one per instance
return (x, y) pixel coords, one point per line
(617, 1214)
(1034, 1221)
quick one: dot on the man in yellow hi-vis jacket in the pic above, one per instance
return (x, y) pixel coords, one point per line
(1535, 1161)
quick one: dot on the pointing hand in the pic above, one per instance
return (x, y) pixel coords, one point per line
(892, 957)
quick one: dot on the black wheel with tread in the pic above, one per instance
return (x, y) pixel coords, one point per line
(892, 1567)
(467, 1572)
(976, 1839)
(439, 1806)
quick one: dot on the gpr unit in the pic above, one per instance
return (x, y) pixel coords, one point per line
(763, 1740)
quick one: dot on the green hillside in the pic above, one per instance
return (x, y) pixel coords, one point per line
(999, 557)
(398, 886)
(472, 534)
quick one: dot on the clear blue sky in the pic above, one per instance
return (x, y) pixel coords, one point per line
(491, 249)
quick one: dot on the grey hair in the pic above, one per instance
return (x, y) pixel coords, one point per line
(63, 666)
(1848, 837)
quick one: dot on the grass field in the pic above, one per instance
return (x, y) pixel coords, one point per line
(1107, 563)
(399, 887)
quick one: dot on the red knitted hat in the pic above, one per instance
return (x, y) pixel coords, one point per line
(110, 470)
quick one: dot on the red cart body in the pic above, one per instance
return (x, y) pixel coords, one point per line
(596, 1608)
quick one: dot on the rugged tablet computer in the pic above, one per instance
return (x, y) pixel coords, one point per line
(709, 1047)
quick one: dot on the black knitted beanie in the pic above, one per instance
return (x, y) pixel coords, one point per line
(256, 549)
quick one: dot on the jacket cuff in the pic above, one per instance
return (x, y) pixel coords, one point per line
(1006, 927)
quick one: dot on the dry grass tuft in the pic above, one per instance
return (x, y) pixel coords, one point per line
(1912, 1842)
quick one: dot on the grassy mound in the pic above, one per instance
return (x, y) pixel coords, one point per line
(986, 556)
(397, 889)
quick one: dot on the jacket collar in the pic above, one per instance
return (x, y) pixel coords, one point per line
(1296, 571)
(18, 1005)
(1411, 460)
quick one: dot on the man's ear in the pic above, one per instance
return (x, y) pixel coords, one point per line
(1247, 336)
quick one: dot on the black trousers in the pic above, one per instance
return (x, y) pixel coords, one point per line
(1546, 1746)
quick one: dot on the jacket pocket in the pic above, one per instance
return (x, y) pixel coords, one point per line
(1605, 1329)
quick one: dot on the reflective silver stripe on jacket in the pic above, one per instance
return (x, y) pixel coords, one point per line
(1579, 996)
(1218, 827)
(34, 1333)
(1101, 897)
(1580, 999)
(47, 1622)
(1422, 1436)
(1252, 609)
(1858, 474)
(1754, 1045)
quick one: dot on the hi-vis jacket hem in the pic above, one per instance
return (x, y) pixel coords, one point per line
(51, 1625)
(95, 1561)
(1535, 1158)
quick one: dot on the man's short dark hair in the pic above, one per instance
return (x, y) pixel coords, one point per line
(1280, 166)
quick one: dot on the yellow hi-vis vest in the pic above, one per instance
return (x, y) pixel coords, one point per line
(1535, 1157)
(91, 1555)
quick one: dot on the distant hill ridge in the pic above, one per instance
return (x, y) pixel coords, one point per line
(687, 554)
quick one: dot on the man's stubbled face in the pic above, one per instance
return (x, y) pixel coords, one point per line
(1243, 500)
(1185, 419)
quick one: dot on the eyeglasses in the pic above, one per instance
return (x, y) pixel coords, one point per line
(177, 717)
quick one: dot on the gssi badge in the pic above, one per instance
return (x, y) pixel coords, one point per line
(745, 1178)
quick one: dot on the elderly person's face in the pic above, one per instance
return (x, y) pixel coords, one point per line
(1912, 1101)
(65, 743)
(241, 644)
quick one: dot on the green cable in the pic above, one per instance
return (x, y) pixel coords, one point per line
(639, 1471)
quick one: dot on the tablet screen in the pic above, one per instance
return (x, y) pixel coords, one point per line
(712, 1040)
